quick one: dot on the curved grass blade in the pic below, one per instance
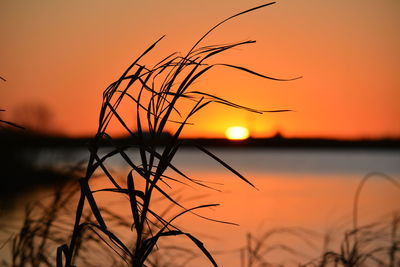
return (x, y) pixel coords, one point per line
(181, 206)
(108, 245)
(142, 55)
(89, 196)
(133, 202)
(196, 241)
(258, 74)
(227, 19)
(217, 99)
(111, 235)
(12, 124)
(60, 251)
(106, 172)
(137, 193)
(222, 163)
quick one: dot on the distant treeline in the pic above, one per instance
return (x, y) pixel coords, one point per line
(22, 139)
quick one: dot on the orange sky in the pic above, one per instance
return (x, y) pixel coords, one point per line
(63, 54)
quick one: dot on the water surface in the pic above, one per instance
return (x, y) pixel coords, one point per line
(311, 189)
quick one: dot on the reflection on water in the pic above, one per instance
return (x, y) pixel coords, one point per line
(296, 161)
(313, 190)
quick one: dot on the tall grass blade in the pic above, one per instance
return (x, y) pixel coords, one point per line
(89, 196)
(12, 124)
(225, 20)
(133, 201)
(223, 164)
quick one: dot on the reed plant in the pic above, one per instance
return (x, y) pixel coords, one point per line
(375, 244)
(43, 227)
(154, 95)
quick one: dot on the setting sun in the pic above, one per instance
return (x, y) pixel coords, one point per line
(237, 133)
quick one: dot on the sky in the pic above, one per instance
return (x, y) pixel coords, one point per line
(61, 55)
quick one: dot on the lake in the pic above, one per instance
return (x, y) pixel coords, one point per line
(298, 193)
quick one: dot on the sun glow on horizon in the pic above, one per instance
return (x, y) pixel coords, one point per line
(237, 133)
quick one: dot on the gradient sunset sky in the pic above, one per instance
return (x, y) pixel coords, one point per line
(63, 54)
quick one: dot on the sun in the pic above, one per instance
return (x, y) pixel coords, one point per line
(237, 133)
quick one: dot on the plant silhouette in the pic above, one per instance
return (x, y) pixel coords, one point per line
(154, 95)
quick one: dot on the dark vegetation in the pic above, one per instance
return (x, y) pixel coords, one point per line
(35, 141)
(19, 172)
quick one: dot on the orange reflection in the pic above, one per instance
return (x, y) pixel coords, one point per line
(320, 203)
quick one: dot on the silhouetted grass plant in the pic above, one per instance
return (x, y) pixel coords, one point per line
(259, 247)
(43, 227)
(154, 95)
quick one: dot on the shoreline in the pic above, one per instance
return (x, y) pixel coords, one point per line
(16, 139)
